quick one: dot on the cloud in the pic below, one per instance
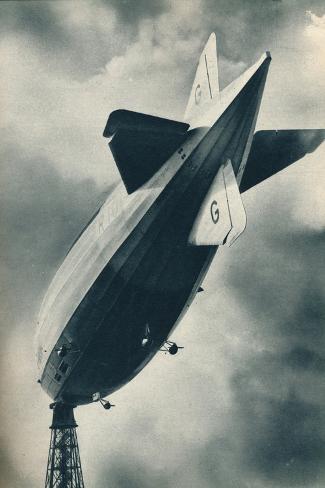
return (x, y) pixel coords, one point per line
(130, 13)
(35, 18)
(132, 475)
(317, 22)
(75, 39)
(302, 358)
(46, 211)
(41, 214)
(10, 475)
(315, 35)
(286, 444)
(275, 423)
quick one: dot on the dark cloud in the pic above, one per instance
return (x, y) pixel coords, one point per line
(275, 432)
(69, 41)
(280, 438)
(307, 319)
(42, 213)
(253, 25)
(132, 474)
(69, 37)
(66, 42)
(246, 29)
(273, 436)
(35, 18)
(302, 358)
(132, 12)
(284, 289)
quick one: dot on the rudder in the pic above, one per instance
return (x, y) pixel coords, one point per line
(206, 82)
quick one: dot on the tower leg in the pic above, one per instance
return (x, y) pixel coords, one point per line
(63, 466)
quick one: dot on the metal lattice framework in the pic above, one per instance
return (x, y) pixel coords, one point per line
(63, 466)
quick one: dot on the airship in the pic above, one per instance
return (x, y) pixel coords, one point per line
(134, 270)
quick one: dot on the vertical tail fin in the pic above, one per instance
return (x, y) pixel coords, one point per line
(205, 88)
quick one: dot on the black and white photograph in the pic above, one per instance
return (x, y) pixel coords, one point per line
(162, 240)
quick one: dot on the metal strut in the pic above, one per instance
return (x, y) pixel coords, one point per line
(63, 466)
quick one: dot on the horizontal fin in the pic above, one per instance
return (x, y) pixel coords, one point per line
(141, 144)
(274, 150)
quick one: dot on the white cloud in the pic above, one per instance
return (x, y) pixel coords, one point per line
(47, 112)
(315, 36)
(316, 21)
(308, 177)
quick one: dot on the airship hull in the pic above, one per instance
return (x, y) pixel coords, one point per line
(121, 292)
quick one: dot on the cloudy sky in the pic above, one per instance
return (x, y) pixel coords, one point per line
(243, 405)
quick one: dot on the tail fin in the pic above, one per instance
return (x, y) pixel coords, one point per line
(206, 83)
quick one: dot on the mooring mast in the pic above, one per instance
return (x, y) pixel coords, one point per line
(63, 466)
